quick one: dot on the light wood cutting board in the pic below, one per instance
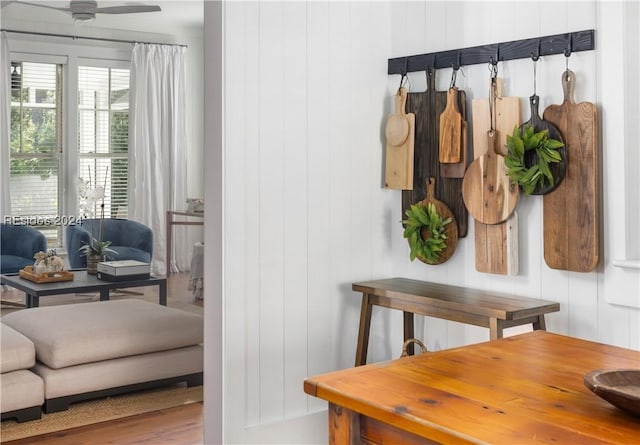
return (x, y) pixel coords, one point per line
(496, 244)
(451, 142)
(400, 135)
(570, 212)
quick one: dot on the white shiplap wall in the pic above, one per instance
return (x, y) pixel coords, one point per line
(305, 215)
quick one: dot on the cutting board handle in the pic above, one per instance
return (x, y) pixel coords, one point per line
(452, 99)
(431, 188)
(568, 85)
(535, 119)
(400, 100)
(492, 145)
(431, 80)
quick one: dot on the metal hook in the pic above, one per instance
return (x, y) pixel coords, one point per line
(454, 74)
(534, 75)
(567, 51)
(403, 78)
(432, 66)
(493, 67)
(536, 56)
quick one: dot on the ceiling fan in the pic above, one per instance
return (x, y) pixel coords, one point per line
(86, 10)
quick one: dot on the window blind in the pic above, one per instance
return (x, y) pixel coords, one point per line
(103, 135)
(36, 146)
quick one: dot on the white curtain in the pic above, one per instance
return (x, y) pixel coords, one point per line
(5, 126)
(157, 145)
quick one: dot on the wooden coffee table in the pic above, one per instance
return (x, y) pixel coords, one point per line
(82, 282)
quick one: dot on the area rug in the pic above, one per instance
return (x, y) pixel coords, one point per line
(101, 410)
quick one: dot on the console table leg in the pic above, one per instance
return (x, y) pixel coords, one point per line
(540, 324)
(104, 294)
(408, 330)
(495, 328)
(363, 334)
(33, 301)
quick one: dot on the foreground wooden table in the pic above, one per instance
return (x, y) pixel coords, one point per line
(493, 310)
(525, 389)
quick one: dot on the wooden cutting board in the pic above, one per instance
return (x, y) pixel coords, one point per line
(496, 245)
(487, 190)
(450, 149)
(451, 229)
(558, 169)
(457, 170)
(570, 212)
(400, 135)
(427, 106)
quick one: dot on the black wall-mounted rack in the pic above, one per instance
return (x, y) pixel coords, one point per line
(516, 49)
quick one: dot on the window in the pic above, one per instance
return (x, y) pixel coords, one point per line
(49, 151)
(103, 133)
(36, 145)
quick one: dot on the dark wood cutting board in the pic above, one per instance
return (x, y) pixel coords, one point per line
(570, 212)
(427, 106)
(558, 169)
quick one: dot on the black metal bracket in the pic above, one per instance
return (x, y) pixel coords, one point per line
(517, 49)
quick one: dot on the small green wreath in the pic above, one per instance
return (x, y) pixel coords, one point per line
(546, 151)
(425, 231)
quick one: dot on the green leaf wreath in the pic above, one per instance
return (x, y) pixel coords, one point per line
(546, 150)
(426, 248)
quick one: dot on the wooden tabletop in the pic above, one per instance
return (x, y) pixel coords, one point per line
(523, 389)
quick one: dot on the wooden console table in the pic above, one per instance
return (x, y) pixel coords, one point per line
(492, 310)
(172, 222)
(524, 389)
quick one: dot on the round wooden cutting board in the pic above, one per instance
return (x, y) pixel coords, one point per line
(487, 190)
(451, 229)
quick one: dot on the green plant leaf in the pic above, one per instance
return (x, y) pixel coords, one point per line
(553, 144)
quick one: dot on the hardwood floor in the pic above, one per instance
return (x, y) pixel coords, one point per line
(180, 426)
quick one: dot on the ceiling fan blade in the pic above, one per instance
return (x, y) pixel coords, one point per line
(41, 5)
(128, 9)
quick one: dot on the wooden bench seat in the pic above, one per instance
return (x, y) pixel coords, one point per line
(488, 309)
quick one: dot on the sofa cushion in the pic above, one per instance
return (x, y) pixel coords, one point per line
(118, 372)
(16, 351)
(74, 334)
(20, 390)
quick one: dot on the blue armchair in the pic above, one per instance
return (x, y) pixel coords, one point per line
(130, 240)
(18, 245)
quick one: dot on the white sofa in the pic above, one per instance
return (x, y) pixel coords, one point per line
(96, 349)
(21, 391)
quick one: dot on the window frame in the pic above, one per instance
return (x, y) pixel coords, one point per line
(115, 55)
(94, 63)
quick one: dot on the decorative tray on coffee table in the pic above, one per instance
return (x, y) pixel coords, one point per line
(48, 277)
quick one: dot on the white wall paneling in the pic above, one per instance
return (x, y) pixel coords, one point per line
(306, 214)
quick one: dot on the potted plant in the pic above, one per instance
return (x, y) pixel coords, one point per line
(96, 249)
